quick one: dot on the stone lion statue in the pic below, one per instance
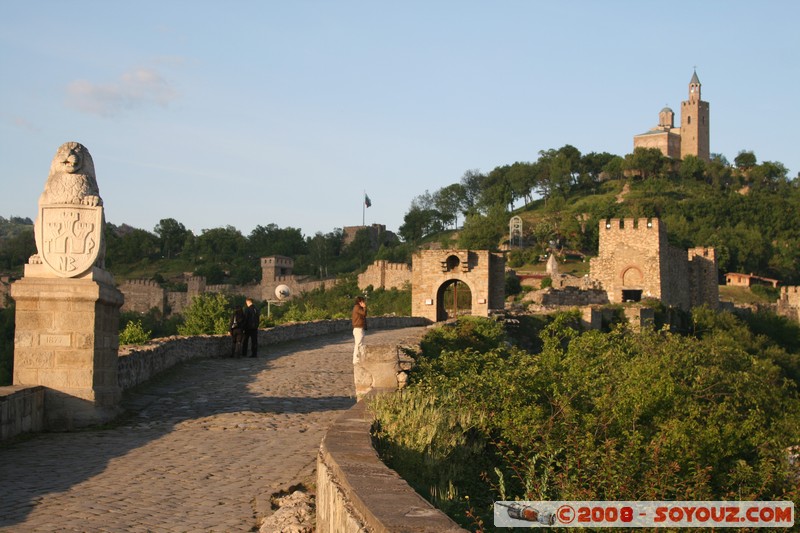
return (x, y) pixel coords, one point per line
(71, 180)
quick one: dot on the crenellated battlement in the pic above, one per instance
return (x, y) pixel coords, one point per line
(277, 260)
(385, 275)
(383, 264)
(636, 261)
(142, 283)
(702, 251)
(790, 296)
(630, 224)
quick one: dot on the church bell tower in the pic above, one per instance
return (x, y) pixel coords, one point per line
(695, 123)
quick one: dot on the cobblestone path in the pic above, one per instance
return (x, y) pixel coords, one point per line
(205, 447)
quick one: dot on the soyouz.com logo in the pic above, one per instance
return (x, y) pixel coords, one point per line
(643, 514)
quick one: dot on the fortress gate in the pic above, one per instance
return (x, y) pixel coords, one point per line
(442, 279)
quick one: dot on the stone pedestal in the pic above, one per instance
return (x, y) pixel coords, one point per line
(67, 339)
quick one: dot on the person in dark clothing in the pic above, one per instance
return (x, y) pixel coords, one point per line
(250, 328)
(237, 332)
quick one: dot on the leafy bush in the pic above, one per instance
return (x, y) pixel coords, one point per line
(595, 416)
(768, 292)
(207, 314)
(134, 333)
(478, 334)
(337, 302)
(513, 286)
(153, 321)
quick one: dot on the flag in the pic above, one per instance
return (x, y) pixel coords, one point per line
(367, 201)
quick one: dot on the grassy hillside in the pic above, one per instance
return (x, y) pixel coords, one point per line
(754, 230)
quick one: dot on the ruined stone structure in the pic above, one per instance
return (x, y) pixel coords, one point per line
(277, 270)
(691, 138)
(385, 275)
(67, 306)
(789, 303)
(143, 295)
(635, 261)
(433, 271)
(377, 235)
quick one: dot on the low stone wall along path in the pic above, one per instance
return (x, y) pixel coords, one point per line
(204, 448)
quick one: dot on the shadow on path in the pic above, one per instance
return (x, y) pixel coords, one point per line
(247, 404)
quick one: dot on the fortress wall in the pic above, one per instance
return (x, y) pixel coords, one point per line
(138, 364)
(704, 277)
(384, 275)
(177, 301)
(296, 284)
(675, 278)
(141, 295)
(790, 296)
(630, 256)
(789, 303)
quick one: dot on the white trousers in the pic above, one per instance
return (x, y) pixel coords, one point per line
(358, 349)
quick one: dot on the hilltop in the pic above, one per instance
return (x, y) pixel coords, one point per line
(747, 211)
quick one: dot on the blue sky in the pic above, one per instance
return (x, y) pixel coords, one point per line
(256, 112)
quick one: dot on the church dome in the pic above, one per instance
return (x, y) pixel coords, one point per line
(667, 110)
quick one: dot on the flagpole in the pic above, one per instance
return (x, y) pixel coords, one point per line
(364, 209)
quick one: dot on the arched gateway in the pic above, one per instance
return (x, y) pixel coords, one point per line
(450, 283)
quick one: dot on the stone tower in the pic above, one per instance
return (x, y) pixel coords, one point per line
(695, 123)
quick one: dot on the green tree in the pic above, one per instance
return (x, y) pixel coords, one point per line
(220, 244)
(745, 160)
(449, 201)
(270, 240)
(127, 245)
(171, 235)
(483, 232)
(692, 168)
(496, 189)
(322, 249)
(594, 164)
(208, 314)
(522, 179)
(648, 162)
(419, 223)
(134, 333)
(472, 182)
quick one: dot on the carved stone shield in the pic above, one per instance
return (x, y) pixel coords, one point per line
(70, 237)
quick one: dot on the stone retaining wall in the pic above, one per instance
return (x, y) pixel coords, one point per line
(138, 364)
(22, 407)
(357, 493)
(21, 410)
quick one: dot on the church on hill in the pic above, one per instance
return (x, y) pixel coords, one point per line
(691, 138)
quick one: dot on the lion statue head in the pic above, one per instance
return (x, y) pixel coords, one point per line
(72, 179)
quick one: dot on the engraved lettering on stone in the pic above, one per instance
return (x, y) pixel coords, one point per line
(54, 340)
